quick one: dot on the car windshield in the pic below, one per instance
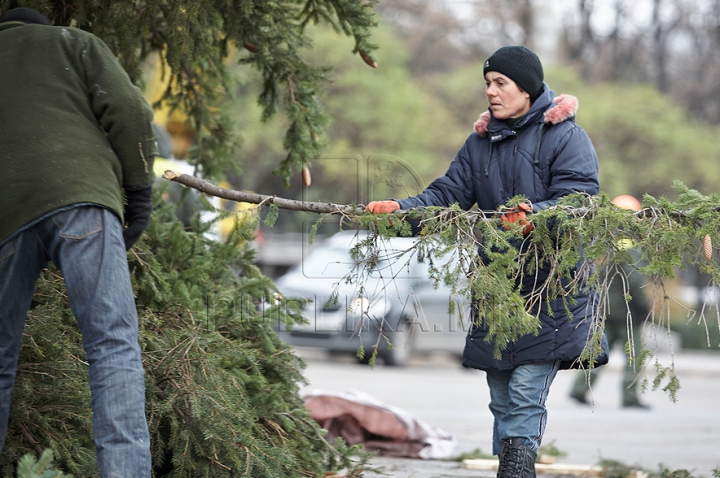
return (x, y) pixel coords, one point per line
(328, 263)
(336, 263)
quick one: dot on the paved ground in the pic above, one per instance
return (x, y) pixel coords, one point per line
(409, 468)
(682, 435)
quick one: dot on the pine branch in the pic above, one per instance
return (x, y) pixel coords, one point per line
(579, 229)
(211, 189)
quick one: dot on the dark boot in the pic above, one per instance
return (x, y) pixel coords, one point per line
(516, 460)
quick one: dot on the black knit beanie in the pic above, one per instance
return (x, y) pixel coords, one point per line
(25, 15)
(521, 65)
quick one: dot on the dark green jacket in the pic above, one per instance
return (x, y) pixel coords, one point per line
(73, 128)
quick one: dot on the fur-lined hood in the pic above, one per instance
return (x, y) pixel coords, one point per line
(566, 107)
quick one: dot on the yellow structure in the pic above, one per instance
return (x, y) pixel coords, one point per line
(174, 121)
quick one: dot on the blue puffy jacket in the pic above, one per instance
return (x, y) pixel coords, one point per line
(543, 157)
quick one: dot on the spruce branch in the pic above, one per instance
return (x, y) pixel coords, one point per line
(579, 230)
(438, 214)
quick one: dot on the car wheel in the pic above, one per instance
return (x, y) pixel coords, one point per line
(369, 350)
(402, 347)
(364, 361)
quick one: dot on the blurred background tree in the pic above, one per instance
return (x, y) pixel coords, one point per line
(419, 105)
(380, 119)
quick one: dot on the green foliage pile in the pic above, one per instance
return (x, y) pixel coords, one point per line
(222, 389)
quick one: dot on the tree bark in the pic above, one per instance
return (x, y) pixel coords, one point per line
(233, 195)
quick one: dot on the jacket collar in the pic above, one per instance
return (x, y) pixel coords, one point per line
(554, 110)
(9, 25)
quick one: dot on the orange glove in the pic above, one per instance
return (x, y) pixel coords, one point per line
(382, 207)
(518, 214)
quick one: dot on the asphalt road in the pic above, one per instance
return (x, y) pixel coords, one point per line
(437, 390)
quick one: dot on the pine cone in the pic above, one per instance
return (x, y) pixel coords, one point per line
(366, 58)
(707, 247)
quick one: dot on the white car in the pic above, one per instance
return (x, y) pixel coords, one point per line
(395, 310)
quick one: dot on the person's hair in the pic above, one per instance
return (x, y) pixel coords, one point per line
(25, 15)
(521, 65)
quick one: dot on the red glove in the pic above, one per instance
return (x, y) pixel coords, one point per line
(382, 207)
(518, 214)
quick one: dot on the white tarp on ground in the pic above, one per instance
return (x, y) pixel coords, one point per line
(360, 418)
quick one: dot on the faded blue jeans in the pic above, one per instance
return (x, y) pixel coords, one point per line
(517, 402)
(86, 244)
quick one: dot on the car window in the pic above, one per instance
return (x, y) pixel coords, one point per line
(336, 263)
(332, 262)
(327, 263)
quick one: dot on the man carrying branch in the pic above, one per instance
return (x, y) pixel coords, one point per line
(526, 144)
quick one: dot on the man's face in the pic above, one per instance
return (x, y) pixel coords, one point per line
(506, 98)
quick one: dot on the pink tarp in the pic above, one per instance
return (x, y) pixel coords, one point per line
(360, 418)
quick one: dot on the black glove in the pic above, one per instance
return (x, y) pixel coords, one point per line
(137, 212)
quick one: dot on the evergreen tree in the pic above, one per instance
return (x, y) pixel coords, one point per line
(222, 389)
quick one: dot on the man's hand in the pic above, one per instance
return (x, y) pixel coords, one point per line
(137, 212)
(518, 214)
(382, 207)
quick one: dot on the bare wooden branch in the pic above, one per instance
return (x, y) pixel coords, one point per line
(348, 210)
(30, 438)
(233, 195)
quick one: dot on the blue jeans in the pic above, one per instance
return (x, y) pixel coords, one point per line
(86, 244)
(517, 402)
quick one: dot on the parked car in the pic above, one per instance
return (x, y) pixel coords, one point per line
(396, 310)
